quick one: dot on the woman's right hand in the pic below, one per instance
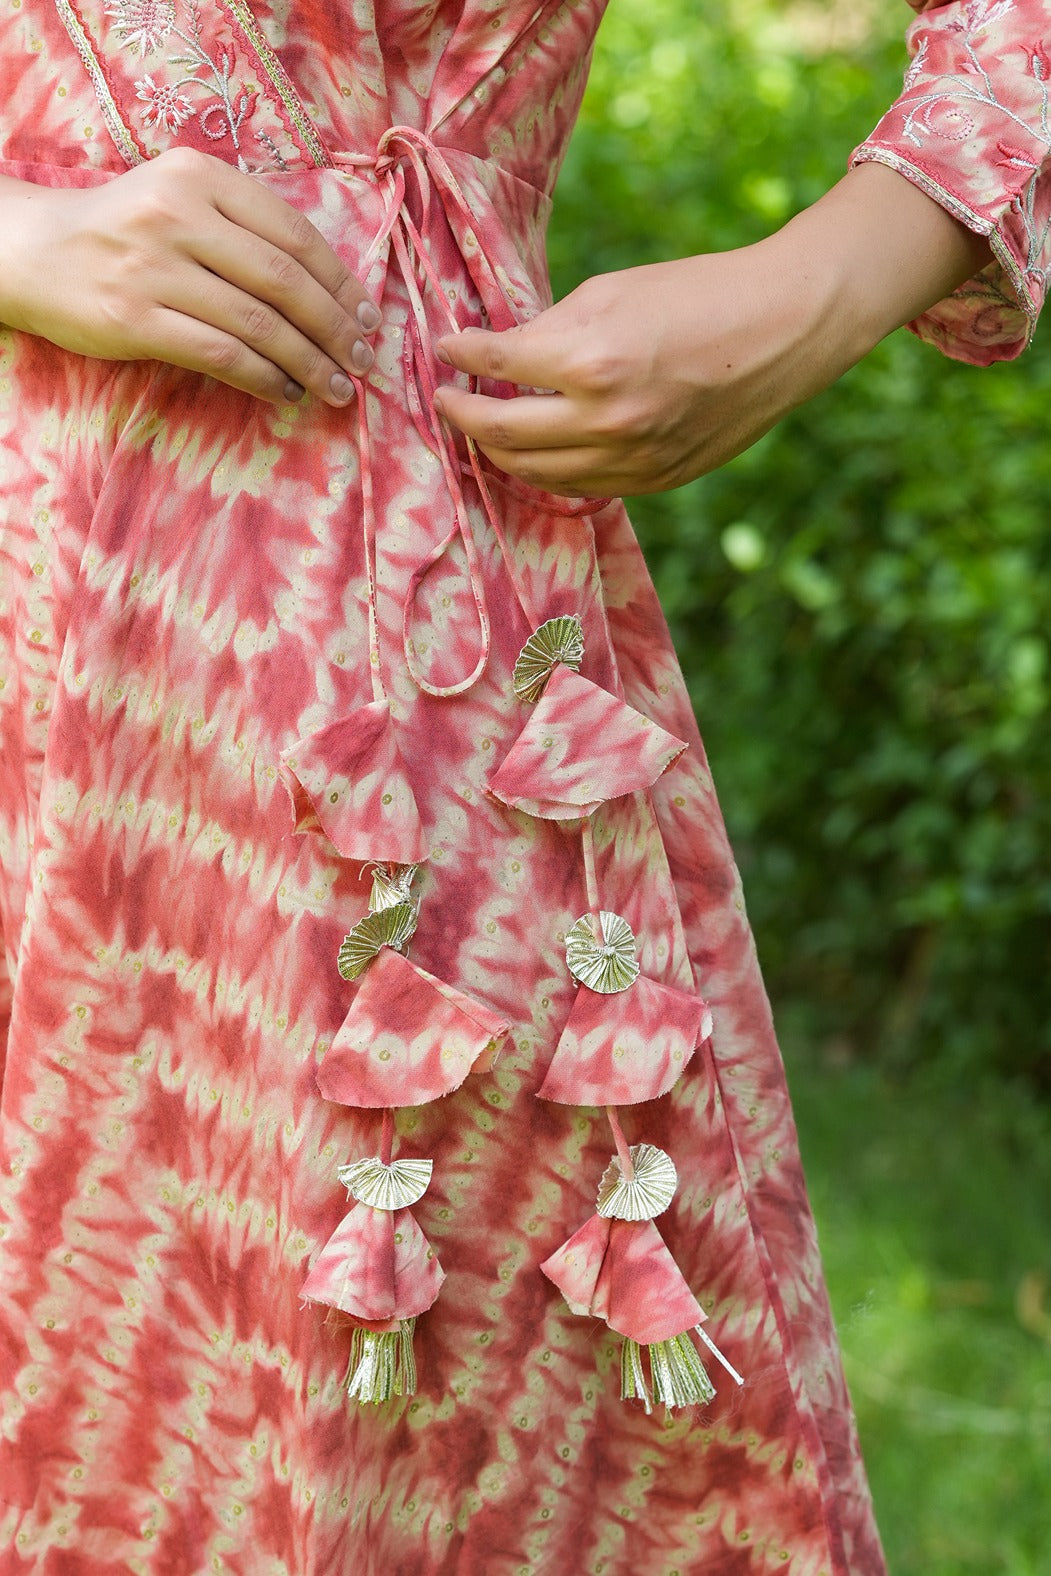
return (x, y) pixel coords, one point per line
(185, 259)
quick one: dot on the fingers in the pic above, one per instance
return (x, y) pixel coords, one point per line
(531, 355)
(223, 313)
(539, 438)
(545, 440)
(531, 421)
(253, 207)
(276, 306)
(200, 347)
(563, 444)
(276, 257)
(244, 263)
(574, 472)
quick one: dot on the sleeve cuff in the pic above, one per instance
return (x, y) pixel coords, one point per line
(971, 129)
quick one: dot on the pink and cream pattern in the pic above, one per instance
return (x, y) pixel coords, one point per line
(973, 130)
(357, 834)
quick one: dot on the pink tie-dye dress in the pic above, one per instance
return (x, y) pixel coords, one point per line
(389, 1081)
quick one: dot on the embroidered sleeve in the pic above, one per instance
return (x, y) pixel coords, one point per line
(971, 129)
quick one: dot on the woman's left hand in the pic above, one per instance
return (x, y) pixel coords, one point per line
(658, 374)
(661, 373)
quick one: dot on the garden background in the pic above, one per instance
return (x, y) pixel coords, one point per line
(862, 604)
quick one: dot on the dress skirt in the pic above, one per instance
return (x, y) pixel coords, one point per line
(389, 1083)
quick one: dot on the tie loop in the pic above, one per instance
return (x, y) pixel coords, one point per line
(399, 148)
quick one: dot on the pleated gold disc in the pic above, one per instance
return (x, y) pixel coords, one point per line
(391, 927)
(559, 640)
(606, 961)
(391, 885)
(649, 1192)
(394, 1186)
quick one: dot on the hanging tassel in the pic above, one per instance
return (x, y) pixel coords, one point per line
(378, 1270)
(678, 1375)
(617, 1267)
(679, 1378)
(382, 1363)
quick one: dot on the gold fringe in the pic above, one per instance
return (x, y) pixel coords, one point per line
(632, 1380)
(381, 1364)
(678, 1376)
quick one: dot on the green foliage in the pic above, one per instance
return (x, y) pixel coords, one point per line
(941, 1297)
(861, 602)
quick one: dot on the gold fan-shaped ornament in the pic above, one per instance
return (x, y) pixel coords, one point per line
(606, 959)
(559, 640)
(391, 885)
(391, 927)
(393, 1186)
(650, 1191)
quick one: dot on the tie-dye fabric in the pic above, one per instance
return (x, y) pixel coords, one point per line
(972, 129)
(248, 655)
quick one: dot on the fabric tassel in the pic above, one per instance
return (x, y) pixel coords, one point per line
(382, 1363)
(558, 771)
(348, 782)
(379, 1271)
(376, 1266)
(625, 1048)
(617, 1267)
(407, 1039)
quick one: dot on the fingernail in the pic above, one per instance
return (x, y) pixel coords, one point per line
(361, 356)
(341, 386)
(368, 317)
(443, 355)
(294, 391)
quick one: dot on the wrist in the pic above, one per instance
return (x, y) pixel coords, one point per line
(21, 204)
(874, 253)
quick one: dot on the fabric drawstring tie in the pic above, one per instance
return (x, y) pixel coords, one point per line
(401, 145)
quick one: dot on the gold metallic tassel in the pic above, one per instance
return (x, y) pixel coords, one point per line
(679, 1377)
(632, 1380)
(381, 1363)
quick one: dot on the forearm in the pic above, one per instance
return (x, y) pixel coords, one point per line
(871, 255)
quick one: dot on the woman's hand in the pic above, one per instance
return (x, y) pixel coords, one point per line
(660, 373)
(187, 260)
(664, 372)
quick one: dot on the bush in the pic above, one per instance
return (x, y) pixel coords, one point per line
(862, 601)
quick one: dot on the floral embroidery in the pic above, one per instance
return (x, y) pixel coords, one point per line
(167, 107)
(973, 129)
(146, 25)
(983, 13)
(917, 67)
(143, 24)
(1039, 61)
(938, 107)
